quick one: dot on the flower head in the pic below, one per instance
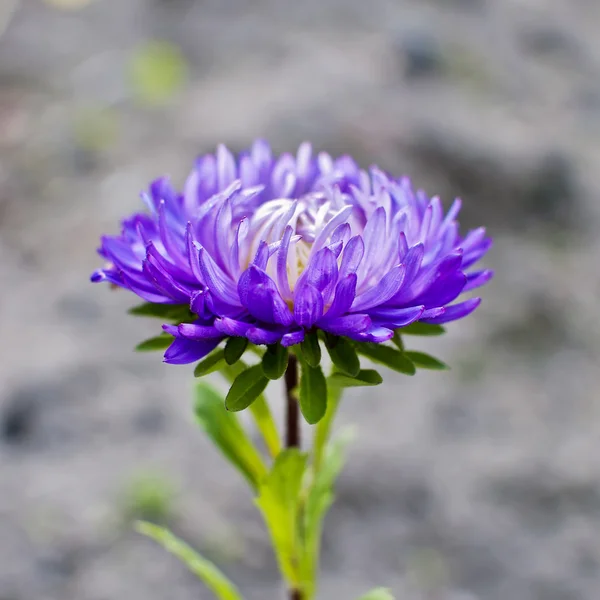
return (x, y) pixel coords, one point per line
(269, 248)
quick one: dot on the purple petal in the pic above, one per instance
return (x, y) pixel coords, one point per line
(353, 254)
(282, 257)
(198, 332)
(397, 317)
(444, 290)
(339, 218)
(261, 258)
(258, 335)
(387, 288)
(216, 281)
(120, 253)
(412, 262)
(182, 351)
(474, 255)
(348, 325)
(477, 279)
(292, 338)
(226, 170)
(259, 295)
(193, 255)
(344, 296)
(232, 327)
(198, 303)
(155, 296)
(164, 282)
(431, 313)
(375, 334)
(456, 311)
(321, 272)
(308, 305)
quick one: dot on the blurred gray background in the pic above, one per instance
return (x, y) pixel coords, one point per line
(481, 483)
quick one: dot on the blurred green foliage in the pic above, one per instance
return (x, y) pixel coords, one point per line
(148, 496)
(157, 71)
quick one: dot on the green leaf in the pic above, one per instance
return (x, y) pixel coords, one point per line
(158, 70)
(226, 432)
(343, 355)
(323, 427)
(418, 328)
(274, 361)
(205, 570)
(246, 388)
(313, 393)
(160, 342)
(234, 349)
(365, 377)
(179, 313)
(279, 502)
(311, 349)
(378, 594)
(397, 340)
(263, 417)
(425, 361)
(388, 356)
(318, 501)
(213, 362)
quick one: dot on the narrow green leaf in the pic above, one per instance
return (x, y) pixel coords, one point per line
(365, 378)
(425, 361)
(274, 361)
(213, 362)
(160, 342)
(311, 349)
(323, 427)
(234, 349)
(378, 594)
(261, 412)
(226, 432)
(318, 501)
(343, 355)
(279, 502)
(205, 570)
(313, 393)
(418, 328)
(388, 356)
(246, 388)
(168, 312)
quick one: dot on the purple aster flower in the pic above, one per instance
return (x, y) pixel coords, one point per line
(271, 248)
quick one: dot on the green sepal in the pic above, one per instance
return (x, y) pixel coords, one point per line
(179, 313)
(378, 594)
(234, 349)
(213, 362)
(226, 432)
(343, 355)
(274, 361)
(279, 498)
(311, 349)
(260, 410)
(204, 569)
(313, 393)
(364, 378)
(388, 356)
(160, 342)
(397, 340)
(426, 361)
(246, 388)
(419, 328)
